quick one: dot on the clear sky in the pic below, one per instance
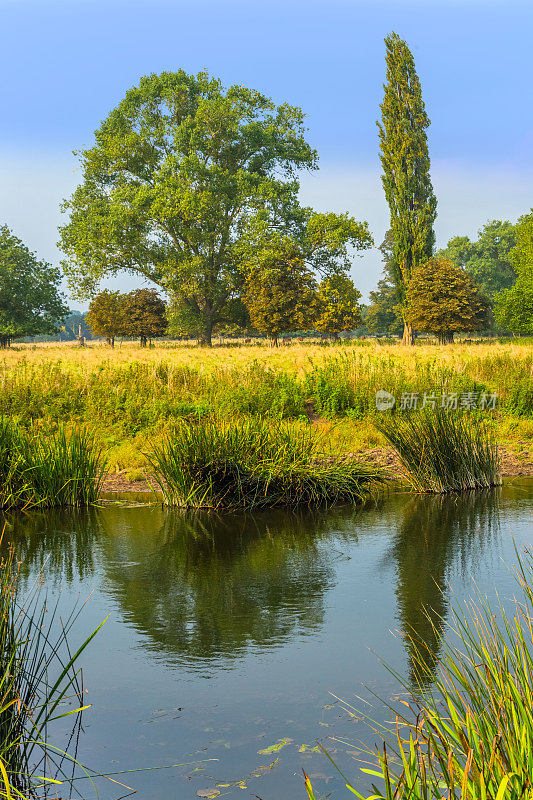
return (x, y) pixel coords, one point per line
(65, 65)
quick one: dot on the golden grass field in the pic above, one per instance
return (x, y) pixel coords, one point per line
(131, 394)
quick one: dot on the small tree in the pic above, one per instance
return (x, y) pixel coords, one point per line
(444, 300)
(144, 315)
(281, 293)
(106, 315)
(30, 302)
(338, 303)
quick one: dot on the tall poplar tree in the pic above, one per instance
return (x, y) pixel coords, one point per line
(405, 160)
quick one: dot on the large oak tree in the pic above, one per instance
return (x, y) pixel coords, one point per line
(179, 173)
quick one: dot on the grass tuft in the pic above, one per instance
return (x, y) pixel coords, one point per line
(254, 465)
(444, 451)
(57, 470)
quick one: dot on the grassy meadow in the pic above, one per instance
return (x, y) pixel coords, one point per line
(130, 398)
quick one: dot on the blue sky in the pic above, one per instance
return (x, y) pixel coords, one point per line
(64, 65)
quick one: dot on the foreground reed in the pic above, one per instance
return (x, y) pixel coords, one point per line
(471, 736)
(58, 470)
(254, 465)
(444, 451)
(38, 677)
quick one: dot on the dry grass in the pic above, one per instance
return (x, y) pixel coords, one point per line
(294, 357)
(328, 386)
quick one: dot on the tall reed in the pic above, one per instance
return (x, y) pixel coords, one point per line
(59, 469)
(443, 451)
(254, 465)
(38, 675)
(471, 736)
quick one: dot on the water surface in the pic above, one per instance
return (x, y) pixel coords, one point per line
(226, 635)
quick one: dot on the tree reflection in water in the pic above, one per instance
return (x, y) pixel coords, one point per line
(207, 587)
(436, 532)
(202, 588)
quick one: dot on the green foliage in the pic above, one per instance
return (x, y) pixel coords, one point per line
(30, 303)
(281, 292)
(56, 470)
(254, 465)
(106, 315)
(144, 315)
(488, 260)
(444, 451)
(514, 306)
(405, 161)
(443, 299)
(338, 302)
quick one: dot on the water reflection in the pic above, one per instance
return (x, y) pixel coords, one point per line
(435, 534)
(209, 587)
(202, 589)
(60, 542)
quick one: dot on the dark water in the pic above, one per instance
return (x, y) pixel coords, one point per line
(226, 636)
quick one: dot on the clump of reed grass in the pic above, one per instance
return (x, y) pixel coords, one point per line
(254, 465)
(443, 451)
(471, 736)
(59, 469)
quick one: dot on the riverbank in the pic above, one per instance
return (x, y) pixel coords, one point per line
(516, 463)
(131, 398)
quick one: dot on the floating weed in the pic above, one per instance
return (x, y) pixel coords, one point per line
(276, 747)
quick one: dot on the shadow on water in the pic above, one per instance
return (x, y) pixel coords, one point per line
(202, 588)
(434, 534)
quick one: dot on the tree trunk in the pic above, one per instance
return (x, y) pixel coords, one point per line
(207, 335)
(274, 341)
(111, 341)
(446, 338)
(143, 341)
(408, 335)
